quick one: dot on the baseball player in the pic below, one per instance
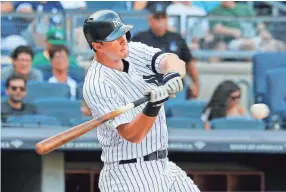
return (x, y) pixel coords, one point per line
(134, 144)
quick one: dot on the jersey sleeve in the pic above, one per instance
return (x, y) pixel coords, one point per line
(102, 99)
(145, 57)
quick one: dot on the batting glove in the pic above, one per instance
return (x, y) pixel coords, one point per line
(173, 82)
(157, 97)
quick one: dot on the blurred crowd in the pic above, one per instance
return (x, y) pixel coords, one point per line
(22, 35)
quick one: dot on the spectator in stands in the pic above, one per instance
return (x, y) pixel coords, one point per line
(197, 29)
(159, 36)
(85, 109)
(7, 7)
(59, 61)
(237, 35)
(228, 32)
(73, 5)
(230, 29)
(14, 106)
(54, 36)
(223, 103)
(22, 58)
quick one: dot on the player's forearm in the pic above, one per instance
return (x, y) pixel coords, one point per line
(173, 63)
(137, 129)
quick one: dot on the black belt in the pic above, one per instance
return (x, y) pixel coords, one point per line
(152, 156)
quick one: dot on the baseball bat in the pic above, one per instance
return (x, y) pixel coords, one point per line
(52, 143)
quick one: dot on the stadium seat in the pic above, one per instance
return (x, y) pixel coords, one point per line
(263, 62)
(185, 122)
(186, 108)
(237, 123)
(276, 92)
(180, 97)
(37, 90)
(3, 88)
(33, 120)
(63, 109)
(79, 120)
(8, 27)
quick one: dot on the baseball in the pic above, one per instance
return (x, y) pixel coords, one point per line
(259, 111)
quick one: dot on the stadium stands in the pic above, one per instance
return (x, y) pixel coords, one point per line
(187, 108)
(62, 109)
(263, 62)
(185, 122)
(33, 120)
(276, 94)
(38, 90)
(239, 123)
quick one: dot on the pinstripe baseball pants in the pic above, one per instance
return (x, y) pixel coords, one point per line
(145, 176)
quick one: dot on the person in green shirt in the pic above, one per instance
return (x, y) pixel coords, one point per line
(230, 29)
(54, 37)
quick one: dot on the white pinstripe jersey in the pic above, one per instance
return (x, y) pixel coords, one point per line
(107, 89)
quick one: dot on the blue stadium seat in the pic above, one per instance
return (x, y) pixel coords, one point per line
(8, 27)
(36, 120)
(276, 92)
(237, 123)
(79, 120)
(37, 90)
(185, 122)
(62, 109)
(186, 108)
(180, 97)
(3, 88)
(263, 62)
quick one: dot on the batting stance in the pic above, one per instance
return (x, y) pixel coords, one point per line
(134, 144)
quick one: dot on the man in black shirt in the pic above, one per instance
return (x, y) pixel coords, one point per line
(14, 106)
(158, 36)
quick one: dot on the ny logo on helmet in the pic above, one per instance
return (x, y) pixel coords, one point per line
(116, 22)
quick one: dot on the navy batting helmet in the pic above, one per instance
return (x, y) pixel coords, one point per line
(105, 26)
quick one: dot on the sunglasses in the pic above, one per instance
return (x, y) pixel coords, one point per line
(235, 97)
(14, 88)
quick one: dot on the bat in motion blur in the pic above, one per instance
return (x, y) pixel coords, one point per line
(52, 143)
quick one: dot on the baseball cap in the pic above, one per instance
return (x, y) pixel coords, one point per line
(56, 36)
(158, 8)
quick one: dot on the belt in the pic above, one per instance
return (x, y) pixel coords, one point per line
(152, 156)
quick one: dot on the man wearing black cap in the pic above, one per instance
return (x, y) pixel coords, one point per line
(158, 36)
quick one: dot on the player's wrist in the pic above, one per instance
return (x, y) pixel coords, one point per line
(150, 110)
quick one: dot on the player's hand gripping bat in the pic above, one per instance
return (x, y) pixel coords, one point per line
(56, 141)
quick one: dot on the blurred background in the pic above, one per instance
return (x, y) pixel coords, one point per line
(235, 54)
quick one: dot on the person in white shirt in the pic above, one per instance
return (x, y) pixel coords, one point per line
(196, 28)
(60, 62)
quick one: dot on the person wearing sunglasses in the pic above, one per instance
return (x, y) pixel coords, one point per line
(161, 37)
(14, 105)
(224, 102)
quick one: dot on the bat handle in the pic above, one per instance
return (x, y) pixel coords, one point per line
(141, 100)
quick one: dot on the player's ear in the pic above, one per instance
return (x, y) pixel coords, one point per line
(97, 46)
